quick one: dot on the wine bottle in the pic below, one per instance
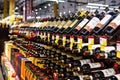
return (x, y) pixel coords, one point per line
(77, 63)
(102, 24)
(74, 24)
(114, 77)
(79, 77)
(113, 26)
(111, 54)
(69, 22)
(105, 73)
(80, 26)
(91, 24)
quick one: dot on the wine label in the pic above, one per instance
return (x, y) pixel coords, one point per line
(61, 24)
(67, 24)
(103, 21)
(73, 23)
(91, 39)
(64, 40)
(48, 37)
(95, 65)
(117, 76)
(86, 61)
(79, 41)
(53, 37)
(109, 48)
(58, 23)
(92, 24)
(83, 13)
(103, 40)
(71, 42)
(108, 72)
(57, 39)
(118, 54)
(118, 46)
(81, 77)
(115, 22)
(82, 24)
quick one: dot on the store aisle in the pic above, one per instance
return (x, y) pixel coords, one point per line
(1, 76)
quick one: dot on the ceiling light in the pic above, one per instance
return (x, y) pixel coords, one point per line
(40, 8)
(49, 4)
(45, 7)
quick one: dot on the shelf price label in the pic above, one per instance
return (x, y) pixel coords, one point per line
(64, 40)
(103, 40)
(118, 46)
(71, 41)
(79, 41)
(57, 39)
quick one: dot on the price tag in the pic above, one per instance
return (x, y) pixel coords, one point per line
(48, 37)
(91, 39)
(102, 48)
(90, 47)
(64, 40)
(118, 54)
(118, 46)
(57, 39)
(53, 37)
(71, 42)
(79, 45)
(103, 40)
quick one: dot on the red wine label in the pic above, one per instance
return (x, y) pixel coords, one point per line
(115, 22)
(95, 65)
(103, 21)
(82, 24)
(86, 61)
(108, 72)
(73, 23)
(92, 24)
(117, 76)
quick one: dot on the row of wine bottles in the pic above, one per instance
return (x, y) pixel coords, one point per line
(71, 67)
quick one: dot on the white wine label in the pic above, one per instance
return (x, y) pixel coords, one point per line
(109, 48)
(105, 19)
(86, 61)
(62, 23)
(92, 23)
(116, 22)
(84, 44)
(118, 46)
(67, 24)
(108, 72)
(81, 77)
(95, 46)
(95, 65)
(82, 24)
(73, 23)
(117, 76)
